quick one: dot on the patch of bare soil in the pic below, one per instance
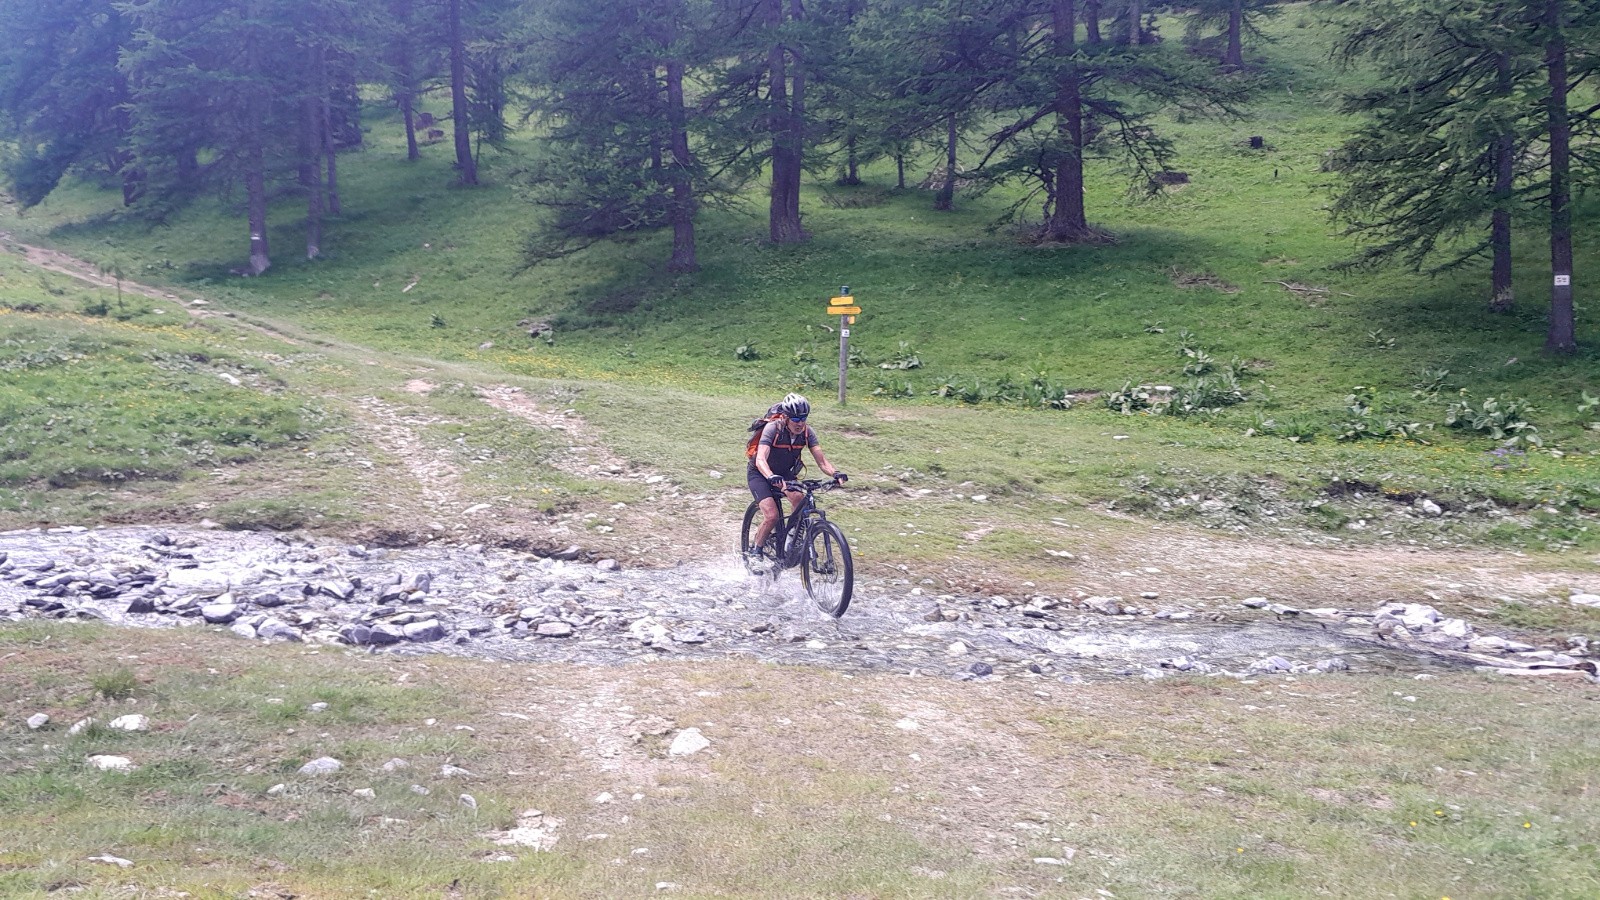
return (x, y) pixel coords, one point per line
(1131, 557)
(71, 266)
(588, 457)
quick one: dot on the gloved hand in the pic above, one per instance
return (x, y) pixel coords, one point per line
(777, 482)
(840, 477)
(793, 487)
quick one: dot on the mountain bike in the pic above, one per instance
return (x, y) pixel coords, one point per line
(807, 540)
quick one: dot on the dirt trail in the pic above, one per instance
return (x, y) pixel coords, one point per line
(71, 266)
(1129, 558)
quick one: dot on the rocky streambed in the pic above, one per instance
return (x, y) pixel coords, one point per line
(509, 605)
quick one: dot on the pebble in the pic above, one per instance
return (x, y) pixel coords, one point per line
(688, 742)
(112, 763)
(322, 765)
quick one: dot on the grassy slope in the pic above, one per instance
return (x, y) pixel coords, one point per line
(815, 784)
(972, 303)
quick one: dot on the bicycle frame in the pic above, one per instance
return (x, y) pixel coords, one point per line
(805, 516)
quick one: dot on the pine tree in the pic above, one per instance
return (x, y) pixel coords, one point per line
(612, 94)
(1440, 167)
(934, 69)
(62, 95)
(1073, 99)
(1234, 20)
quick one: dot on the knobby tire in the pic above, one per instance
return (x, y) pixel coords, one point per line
(827, 569)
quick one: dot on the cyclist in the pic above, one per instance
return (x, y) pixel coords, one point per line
(777, 462)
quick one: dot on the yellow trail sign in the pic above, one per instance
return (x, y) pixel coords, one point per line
(844, 310)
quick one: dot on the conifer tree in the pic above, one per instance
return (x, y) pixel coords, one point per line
(1431, 178)
(611, 91)
(62, 98)
(1074, 99)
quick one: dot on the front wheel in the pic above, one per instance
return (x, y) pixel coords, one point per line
(747, 537)
(826, 569)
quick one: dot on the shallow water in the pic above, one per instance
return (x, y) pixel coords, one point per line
(691, 611)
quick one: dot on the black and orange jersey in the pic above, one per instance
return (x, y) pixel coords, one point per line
(784, 457)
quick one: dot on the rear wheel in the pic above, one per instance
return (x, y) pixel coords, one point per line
(826, 569)
(747, 537)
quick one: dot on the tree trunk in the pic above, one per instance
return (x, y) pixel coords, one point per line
(1068, 221)
(312, 114)
(408, 112)
(405, 68)
(900, 171)
(682, 206)
(133, 180)
(1503, 298)
(334, 207)
(255, 176)
(783, 212)
(325, 130)
(1130, 30)
(946, 199)
(466, 166)
(852, 163)
(255, 183)
(1561, 337)
(1235, 56)
(1091, 22)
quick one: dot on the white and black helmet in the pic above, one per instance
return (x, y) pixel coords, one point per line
(795, 406)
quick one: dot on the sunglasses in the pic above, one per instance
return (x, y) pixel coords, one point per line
(800, 419)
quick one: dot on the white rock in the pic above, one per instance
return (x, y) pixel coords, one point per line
(1585, 600)
(395, 765)
(603, 797)
(112, 763)
(277, 789)
(365, 793)
(908, 724)
(688, 742)
(957, 648)
(38, 721)
(449, 771)
(1429, 508)
(110, 860)
(80, 726)
(133, 722)
(322, 765)
(199, 581)
(469, 801)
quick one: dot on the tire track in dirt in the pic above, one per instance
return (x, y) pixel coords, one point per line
(587, 456)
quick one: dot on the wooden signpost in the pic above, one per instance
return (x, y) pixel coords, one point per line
(844, 306)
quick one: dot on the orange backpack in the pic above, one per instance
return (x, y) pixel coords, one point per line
(757, 427)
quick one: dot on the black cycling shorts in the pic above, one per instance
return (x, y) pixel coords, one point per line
(761, 488)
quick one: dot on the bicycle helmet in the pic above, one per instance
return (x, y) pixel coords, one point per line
(795, 406)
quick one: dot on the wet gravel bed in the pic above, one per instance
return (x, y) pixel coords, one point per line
(509, 605)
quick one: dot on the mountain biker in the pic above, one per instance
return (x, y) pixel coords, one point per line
(777, 463)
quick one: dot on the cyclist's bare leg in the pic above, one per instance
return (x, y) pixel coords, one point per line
(769, 520)
(769, 514)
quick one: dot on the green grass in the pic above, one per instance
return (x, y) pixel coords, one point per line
(1203, 788)
(421, 277)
